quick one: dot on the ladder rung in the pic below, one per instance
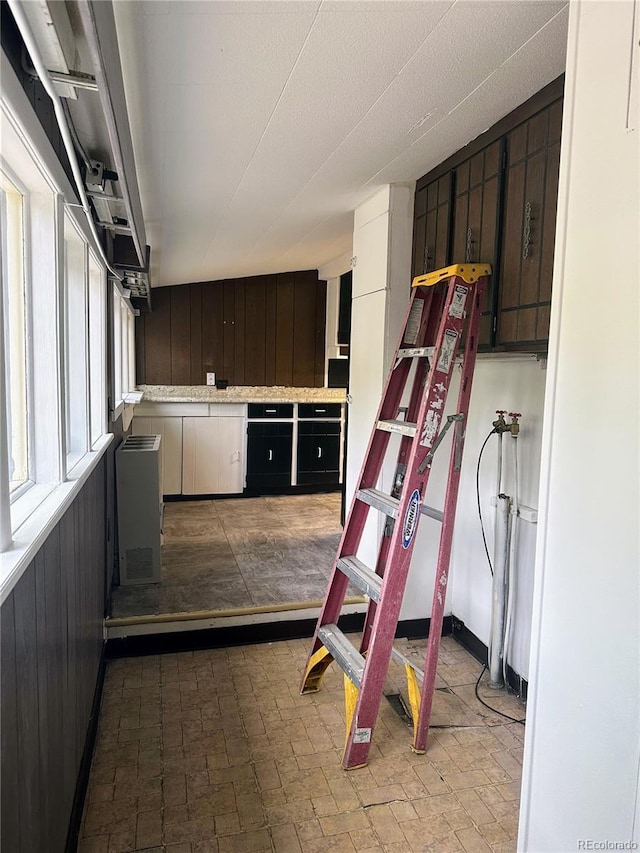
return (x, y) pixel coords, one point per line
(396, 654)
(362, 576)
(432, 512)
(389, 506)
(343, 652)
(380, 501)
(415, 352)
(403, 427)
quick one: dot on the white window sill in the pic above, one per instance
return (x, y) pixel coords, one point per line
(38, 516)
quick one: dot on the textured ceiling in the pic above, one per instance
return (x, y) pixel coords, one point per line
(259, 126)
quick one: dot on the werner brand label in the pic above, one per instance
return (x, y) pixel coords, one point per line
(411, 519)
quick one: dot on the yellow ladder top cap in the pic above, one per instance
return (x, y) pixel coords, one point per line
(469, 272)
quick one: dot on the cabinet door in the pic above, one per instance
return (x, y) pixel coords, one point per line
(231, 441)
(318, 453)
(269, 450)
(529, 233)
(213, 456)
(476, 216)
(432, 230)
(170, 428)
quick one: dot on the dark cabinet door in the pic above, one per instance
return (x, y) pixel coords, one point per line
(432, 226)
(478, 197)
(269, 449)
(318, 453)
(529, 231)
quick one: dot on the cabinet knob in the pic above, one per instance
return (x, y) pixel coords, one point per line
(270, 455)
(319, 452)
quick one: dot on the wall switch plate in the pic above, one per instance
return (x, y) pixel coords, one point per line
(211, 379)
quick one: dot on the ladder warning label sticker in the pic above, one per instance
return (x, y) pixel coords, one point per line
(458, 301)
(411, 519)
(448, 349)
(432, 421)
(362, 736)
(413, 323)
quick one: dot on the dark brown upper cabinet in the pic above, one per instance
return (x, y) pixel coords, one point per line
(529, 230)
(494, 201)
(476, 219)
(432, 225)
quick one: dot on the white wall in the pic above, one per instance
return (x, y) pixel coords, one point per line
(582, 744)
(513, 383)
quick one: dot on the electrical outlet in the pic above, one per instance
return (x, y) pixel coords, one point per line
(211, 379)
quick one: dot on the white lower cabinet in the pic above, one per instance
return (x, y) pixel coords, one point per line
(213, 451)
(170, 428)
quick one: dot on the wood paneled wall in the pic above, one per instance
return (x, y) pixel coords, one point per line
(264, 330)
(51, 646)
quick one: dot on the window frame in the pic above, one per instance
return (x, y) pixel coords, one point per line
(28, 156)
(27, 328)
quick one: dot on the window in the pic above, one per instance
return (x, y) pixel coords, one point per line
(15, 338)
(53, 337)
(75, 340)
(124, 374)
(97, 348)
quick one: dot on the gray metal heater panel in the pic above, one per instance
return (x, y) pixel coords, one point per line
(139, 509)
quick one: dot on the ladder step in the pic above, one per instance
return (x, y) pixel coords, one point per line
(362, 576)
(415, 352)
(343, 652)
(432, 512)
(403, 427)
(389, 506)
(380, 501)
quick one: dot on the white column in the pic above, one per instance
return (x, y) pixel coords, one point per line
(381, 288)
(582, 746)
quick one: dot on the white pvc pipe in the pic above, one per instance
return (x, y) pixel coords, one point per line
(501, 553)
(32, 47)
(512, 574)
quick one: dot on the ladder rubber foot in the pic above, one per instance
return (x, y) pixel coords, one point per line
(418, 751)
(355, 766)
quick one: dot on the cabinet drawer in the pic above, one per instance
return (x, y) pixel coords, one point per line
(270, 410)
(319, 410)
(319, 428)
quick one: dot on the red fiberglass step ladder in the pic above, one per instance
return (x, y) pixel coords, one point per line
(442, 303)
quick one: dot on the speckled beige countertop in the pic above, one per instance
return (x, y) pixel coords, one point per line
(240, 394)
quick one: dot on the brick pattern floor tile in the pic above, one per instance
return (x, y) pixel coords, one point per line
(216, 752)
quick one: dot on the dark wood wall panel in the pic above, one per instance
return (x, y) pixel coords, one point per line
(196, 360)
(180, 336)
(157, 341)
(212, 324)
(263, 330)
(284, 329)
(9, 801)
(255, 343)
(51, 632)
(304, 333)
